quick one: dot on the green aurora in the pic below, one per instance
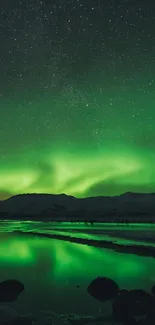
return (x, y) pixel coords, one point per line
(110, 172)
(77, 106)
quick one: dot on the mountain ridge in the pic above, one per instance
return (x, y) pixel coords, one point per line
(67, 207)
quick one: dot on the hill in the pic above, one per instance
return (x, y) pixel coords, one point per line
(128, 206)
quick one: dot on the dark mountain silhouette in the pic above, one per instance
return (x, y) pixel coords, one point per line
(126, 207)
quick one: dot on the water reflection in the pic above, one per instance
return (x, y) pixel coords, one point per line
(52, 269)
(126, 234)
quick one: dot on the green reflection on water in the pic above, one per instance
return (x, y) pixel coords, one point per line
(51, 270)
(14, 251)
(67, 256)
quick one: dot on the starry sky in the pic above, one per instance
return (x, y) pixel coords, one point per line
(77, 97)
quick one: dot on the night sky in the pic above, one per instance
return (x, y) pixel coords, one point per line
(77, 97)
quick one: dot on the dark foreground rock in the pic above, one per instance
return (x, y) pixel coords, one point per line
(10, 290)
(129, 307)
(103, 289)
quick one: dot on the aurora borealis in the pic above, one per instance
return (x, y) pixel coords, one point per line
(77, 97)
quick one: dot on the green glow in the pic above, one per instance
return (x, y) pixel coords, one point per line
(68, 257)
(15, 251)
(52, 269)
(108, 172)
(77, 113)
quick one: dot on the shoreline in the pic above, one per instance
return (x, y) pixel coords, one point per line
(146, 251)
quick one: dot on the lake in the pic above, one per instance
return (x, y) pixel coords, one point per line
(56, 273)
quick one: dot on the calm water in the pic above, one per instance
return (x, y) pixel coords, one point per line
(51, 269)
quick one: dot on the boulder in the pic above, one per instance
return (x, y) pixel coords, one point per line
(130, 304)
(10, 290)
(103, 289)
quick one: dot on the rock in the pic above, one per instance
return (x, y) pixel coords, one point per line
(138, 294)
(10, 290)
(121, 311)
(103, 289)
(131, 303)
(140, 301)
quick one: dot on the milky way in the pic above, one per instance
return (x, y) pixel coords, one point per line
(77, 97)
